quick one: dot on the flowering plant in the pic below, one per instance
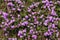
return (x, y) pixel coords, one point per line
(29, 19)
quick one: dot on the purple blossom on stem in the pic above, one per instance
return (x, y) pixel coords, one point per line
(20, 34)
(41, 16)
(31, 31)
(24, 30)
(46, 22)
(34, 36)
(10, 4)
(12, 26)
(53, 25)
(53, 13)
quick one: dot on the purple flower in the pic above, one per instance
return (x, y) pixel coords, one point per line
(20, 34)
(53, 13)
(9, 38)
(12, 17)
(57, 34)
(19, 9)
(50, 33)
(41, 16)
(31, 31)
(36, 22)
(11, 21)
(34, 36)
(13, 9)
(19, 2)
(46, 34)
(24, 34)
(4, 28)
(53, 25)
(26, 22)
(44, 7)
(50, 18)
(6, 24)
(6, 34)
(0, 12)
(29, 15)
(34, 17)
(57, 19)
(36, 4)
(49, 30)
(19, 25)
(58, 2)
(3, 22)
(29, 10)
(24, 30)
(12, 26)
(48, 4)
(43, 1)
(31, 6)
(49, 26)
(33, 13)
(49, 8)
(22, 24)
(22, 6)
(19, 17)
(26, 17)
(5, 14)
(46, 22)
(10, 4)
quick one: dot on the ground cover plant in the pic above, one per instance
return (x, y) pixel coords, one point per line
(29, 20)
